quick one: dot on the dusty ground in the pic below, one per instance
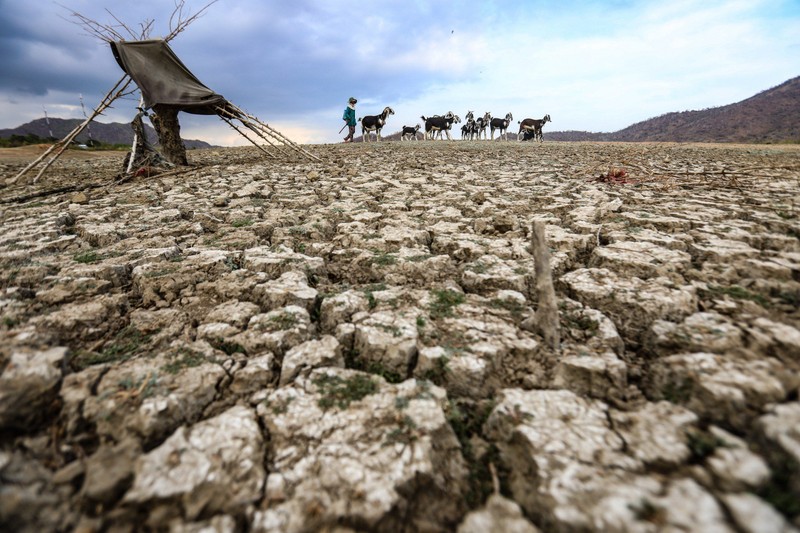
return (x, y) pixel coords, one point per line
(257, 345)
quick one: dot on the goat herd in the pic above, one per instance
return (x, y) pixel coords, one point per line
(473, 129)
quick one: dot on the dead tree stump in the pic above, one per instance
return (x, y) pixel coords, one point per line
(168, 129)
(547, 323)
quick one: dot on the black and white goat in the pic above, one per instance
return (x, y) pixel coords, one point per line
(531, 128)
(438, 133)
(468, 129)
(409, 133)
(481, 124)
(502, 125)
(374, 123)
(439, 123)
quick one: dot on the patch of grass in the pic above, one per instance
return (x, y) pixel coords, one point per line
(383, 259)
(478, 268)
(284, 320)
(702, 444)
(514, 307)
(281, 407)
(338, 392)
(186, 359)
(146, 386)
(9, 322)
(443, 303)
(126, 343)
(90, 256)
(368, 290)
(160, 272)
(404, 434)
(418, 258)
(242, 222)
(739, 293)
(467, 421)
(436, 375)
(779, 491)
(678, 392)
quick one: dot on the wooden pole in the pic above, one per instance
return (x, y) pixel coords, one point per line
(61, 145)
(547, 322)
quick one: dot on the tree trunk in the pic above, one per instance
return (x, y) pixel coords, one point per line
(168, 129)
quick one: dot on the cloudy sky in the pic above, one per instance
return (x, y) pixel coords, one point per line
(595, 65)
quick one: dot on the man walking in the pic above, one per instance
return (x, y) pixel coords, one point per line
(350, 118)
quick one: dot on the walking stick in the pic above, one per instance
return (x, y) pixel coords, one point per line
(343, 127)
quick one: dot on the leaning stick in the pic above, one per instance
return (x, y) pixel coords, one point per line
(63, 143)
(243, 134)
(225, 113)
(276, 133)
(547, 315)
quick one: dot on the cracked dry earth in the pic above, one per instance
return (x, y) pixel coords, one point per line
(258, 345)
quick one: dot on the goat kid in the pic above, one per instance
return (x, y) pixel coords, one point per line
(374, 123)
(531, 128)
(409, 133)
(502, 125)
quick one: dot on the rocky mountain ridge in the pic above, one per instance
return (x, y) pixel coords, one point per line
(109, 133)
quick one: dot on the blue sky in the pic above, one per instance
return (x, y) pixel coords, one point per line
(591, 65)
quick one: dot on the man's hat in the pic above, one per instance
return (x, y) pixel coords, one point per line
(352, 100)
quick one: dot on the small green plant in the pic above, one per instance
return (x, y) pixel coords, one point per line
(443, 302)
(284, 320)
(90, 256)
(738, 293)
(368, 290)
(186, 359)
(514, 307)
(702, 444)
(384, 259)
(437, 374)
(338, 392)
(467, 420)
(242, 222)
(404, 434)
(478, 268)
(779, 491)
(678, 392)
(279, 407)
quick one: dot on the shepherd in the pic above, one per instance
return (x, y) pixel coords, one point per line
(349, 118)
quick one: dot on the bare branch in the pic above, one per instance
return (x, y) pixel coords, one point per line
(181, 23)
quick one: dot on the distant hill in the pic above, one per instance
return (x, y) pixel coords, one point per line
(771, 116)
(111, 133)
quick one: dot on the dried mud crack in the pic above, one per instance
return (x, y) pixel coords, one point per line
(352, 345)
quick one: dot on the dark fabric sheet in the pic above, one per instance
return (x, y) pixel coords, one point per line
(163, 78)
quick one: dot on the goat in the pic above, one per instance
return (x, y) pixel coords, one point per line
(374, 123)
(468, 129)
(531, 128)
(438, 133)
(439, 123)
(481, 123)
(502, 125)
(409, 133)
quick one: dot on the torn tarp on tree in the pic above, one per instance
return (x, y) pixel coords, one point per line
(163, 78)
